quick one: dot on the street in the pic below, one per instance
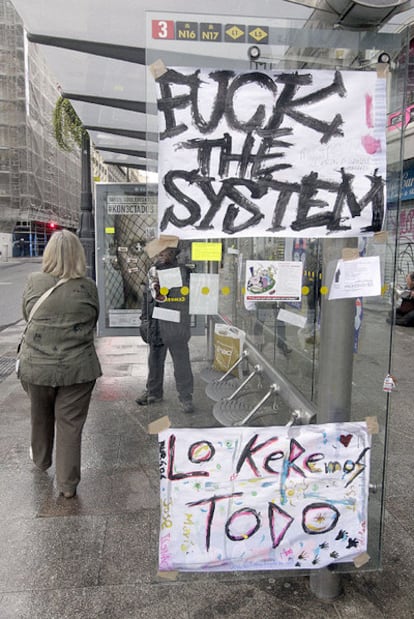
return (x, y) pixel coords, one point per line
(13, 275)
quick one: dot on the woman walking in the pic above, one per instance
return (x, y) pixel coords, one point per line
(58, 364)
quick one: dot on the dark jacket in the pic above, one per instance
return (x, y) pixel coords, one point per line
(406, 306)
(58, 346)
(149, 328)
(164, 331)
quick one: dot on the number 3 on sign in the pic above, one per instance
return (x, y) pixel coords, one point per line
(162, 29)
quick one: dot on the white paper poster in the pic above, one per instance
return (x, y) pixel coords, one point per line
(356, 278)
(204, 293)
(271, 153)
(170, 278)
(270, 280)
(263, 498)
(162, 313)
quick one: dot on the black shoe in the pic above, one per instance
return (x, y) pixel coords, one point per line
(144, 399)
(187, 406)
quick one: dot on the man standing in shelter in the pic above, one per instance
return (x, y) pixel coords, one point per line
(166, 322)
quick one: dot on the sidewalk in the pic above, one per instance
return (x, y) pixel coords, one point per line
(96, 555)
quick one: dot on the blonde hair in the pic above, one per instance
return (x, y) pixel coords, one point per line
(64, 256)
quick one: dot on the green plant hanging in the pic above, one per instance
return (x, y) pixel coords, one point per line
(67, 125)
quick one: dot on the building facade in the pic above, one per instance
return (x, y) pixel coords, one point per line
(40, 184)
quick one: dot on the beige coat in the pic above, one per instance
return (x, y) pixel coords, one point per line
(58, 346)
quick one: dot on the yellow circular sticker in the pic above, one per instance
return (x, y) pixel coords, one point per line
(185, 290)
(205, 290)
(305, 290)
(164, 291)
(225, 290)
(324, 290)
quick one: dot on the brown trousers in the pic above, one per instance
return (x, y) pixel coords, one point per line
(65, 408)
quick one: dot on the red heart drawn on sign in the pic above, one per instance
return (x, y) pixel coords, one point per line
(345, 439)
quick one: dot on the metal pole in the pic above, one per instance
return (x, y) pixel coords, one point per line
(210, 338)
(212, 267)
(335, 379)
(86, 230)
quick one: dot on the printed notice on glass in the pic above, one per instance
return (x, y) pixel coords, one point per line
(269, 280)
(356, 278)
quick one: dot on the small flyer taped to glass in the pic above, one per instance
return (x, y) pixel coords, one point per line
(270, 280)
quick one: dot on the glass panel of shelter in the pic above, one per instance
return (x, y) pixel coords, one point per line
(293, 348)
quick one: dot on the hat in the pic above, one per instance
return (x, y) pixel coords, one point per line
(156, 246)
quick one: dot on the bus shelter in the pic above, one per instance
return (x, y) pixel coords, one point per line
(273, 167)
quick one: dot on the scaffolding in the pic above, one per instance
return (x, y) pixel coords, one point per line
(38, 182)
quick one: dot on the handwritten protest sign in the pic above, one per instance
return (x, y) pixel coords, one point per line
(271, 153)
(263, 498)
